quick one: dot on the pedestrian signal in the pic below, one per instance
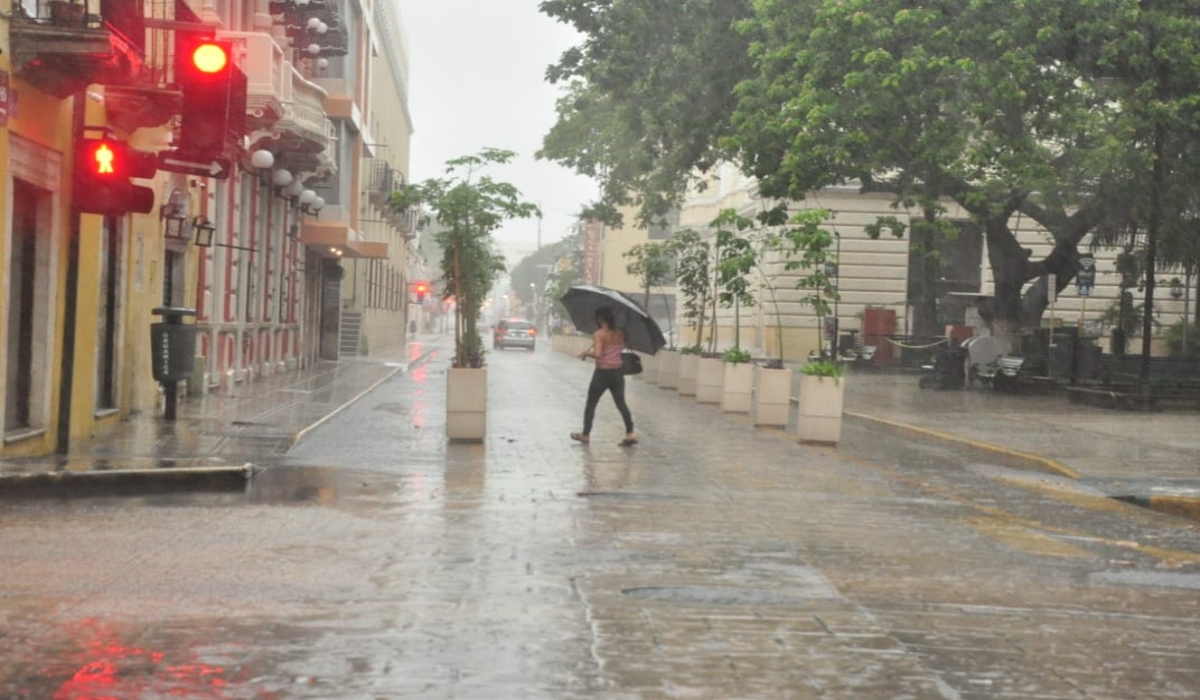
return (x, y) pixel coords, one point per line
(101, 184)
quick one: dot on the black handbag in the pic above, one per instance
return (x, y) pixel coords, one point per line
(630, 363)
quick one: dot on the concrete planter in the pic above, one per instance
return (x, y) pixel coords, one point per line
(820, 419)
(771, 404)
(466, 404)
(710, 379)
(650, 368)
(689, 367)
(668, 369)
(737, 387)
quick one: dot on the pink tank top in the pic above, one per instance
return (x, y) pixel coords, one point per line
(610, 357)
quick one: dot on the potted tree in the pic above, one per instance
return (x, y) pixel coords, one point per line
(468, 208)
(736, 258)
(650, 263)
(693, 278)
(806, 247)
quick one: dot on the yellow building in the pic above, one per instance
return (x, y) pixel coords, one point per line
(274, 243)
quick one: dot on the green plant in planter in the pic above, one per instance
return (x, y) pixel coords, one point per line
(736, 355)
(801, 242)
(693, 276)
(650, 263)
(690, 350)
(736, 258)
(468, 208)
(821, 368)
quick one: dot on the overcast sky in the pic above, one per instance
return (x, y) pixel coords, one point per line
(476, 72)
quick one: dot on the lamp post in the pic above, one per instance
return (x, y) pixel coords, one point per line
(533, 302)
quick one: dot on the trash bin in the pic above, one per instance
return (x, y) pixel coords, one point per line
(173, 351)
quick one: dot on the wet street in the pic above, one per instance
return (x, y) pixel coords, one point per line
(712, 560)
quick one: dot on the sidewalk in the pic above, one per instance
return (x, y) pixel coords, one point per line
(1149, 458)
(1152, 459)
(215, 437)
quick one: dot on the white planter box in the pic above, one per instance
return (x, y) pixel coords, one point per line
(820, 419)
(738, 387)
(710, 379)
(668, 369)
(772, 401)
(689, 366)
(650, 368)
(466, 404)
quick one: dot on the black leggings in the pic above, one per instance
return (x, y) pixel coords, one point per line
(606, 380)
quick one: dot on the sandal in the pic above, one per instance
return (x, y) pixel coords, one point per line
(627, 442)
(580, 437)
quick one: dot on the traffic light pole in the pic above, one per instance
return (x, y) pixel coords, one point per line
(67, 368)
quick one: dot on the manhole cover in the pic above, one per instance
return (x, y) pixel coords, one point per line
(712, 595)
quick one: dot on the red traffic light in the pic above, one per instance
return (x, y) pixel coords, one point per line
(210, 57)
(422, 287)
(214, 95)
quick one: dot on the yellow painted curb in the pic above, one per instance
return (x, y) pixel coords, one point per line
(1024, 460)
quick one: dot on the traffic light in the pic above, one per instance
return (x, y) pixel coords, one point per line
(206, 75)
(421, 288)
(103, 167)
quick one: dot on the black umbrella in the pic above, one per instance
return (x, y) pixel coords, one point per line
(641, 332)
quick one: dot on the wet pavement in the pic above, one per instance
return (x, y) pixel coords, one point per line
(713, 560)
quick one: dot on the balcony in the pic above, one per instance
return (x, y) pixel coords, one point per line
(382, 179)
(267, 74)
(66, 46)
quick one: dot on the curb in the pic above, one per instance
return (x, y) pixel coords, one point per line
(125, 481)
(1008, 457)
(399, 369)
(1180, 506)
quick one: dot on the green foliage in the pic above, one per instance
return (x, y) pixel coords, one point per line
(1174, 337)
(651, 88)
(651, 263)
(821, 368)
(690, 350)
(1130, 319)
(736, 355)
(1048, 112)
(736, 258)
(805, 244)
(693, 276)
(468, 207)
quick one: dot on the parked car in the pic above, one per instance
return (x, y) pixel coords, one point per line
(514, 333)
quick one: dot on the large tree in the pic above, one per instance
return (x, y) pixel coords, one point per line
(1046, 109)
(648, 96)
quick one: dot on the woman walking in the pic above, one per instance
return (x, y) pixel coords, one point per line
(607, 343)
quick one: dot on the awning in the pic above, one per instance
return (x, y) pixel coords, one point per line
(335, 239)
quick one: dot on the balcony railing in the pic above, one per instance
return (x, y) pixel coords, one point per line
(267, 72)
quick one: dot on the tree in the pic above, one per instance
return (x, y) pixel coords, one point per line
(651, 264)
(1057, 113)
(650, 91)
(735, 260)
(1029, 112)
(469, 207)
(693, 277)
